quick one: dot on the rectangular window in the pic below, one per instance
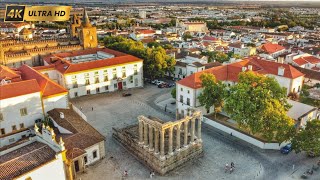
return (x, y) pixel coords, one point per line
(3, 131)
(85, 159)
(180, 71)
(98, 90)
(106, 88)
(88, 91)
(74, 84)
(86, 77)
(87, 82)
(181, 98)
(135, 68)
(131, 79)
(23, 112)
(75, 94)
(1, 117)
(96, 80)
(105, 74)
(188, 92)
(115, 86)
(188, 101)
(181, 89)
(11, 140)
(123, 72)
(114, 73)
(124, 84)
(94, 154)
(14, 128)
(21, 126)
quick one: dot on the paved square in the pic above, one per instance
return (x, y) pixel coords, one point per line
(112, 110)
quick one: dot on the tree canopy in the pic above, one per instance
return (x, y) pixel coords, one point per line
(212, 93)
(156, 62)
(308, 139)
(258, 103)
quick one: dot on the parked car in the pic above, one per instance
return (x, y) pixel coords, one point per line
(171, 84)
(163, 85)
(126, 94)
(155, 81)
(286, 149)
(159, 82)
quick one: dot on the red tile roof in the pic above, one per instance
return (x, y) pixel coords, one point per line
(230, 72)
(48, 87)
(300, 61)
(20, 88)
(272, 48)
(65, 66)
(25, 159)
(8, 74)
(209, 38)
(146, 31)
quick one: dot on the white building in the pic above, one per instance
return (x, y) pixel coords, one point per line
(272, 50)
(142, 34)
(302, 113)
(94, 71)
(189, 88)
(33, 158)
(142, 14)
(188, 65)
(25, 97)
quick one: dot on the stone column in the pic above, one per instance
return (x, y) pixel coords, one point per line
(150, 138)
(145, 128)
(192, 130)
(140, 132)
(170, 141)
(199, 129)
(178, 137)
(162, 144)
(156, 141)
(185, 133)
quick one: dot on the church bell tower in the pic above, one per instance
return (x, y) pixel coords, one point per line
(88, 33)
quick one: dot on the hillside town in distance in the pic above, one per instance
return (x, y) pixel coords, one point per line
(162, 90)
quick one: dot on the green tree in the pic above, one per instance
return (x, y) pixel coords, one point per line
(258, 104)
(212, 93)
(308, 139)
(156, 62)
(174, 93)
(186, 36)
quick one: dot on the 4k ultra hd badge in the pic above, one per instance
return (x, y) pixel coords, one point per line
(14, 13)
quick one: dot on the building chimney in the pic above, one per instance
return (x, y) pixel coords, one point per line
(281, 71)
(250, 67)
(61, 115)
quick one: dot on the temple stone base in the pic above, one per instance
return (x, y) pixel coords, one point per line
(170, 156)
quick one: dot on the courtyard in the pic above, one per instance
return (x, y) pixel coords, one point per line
(111, 110)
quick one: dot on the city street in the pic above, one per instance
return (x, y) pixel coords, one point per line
(112, 110)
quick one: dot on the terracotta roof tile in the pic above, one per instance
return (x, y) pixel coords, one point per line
(47, 86)
(83, 134)
(20, 88)
(230, 72)
(300, 61)
(25, 159)
(8, 74)
(272, 48)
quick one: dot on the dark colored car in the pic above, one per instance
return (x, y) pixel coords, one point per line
(171, 84)
(126, 94)
(286, 149)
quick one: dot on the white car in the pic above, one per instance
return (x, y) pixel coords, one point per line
(155, 81)
(159, 82)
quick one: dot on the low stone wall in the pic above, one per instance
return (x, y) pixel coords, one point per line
(242, 136)
(153, 161)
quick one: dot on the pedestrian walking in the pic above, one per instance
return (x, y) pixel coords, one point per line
(80, 108)
(226, 168)
(293, 167)
(165, 108)
(92, 108)
(231, 170)
(232, 165)
(150, 175)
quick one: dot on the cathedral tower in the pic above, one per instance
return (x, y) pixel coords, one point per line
(88, 33)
